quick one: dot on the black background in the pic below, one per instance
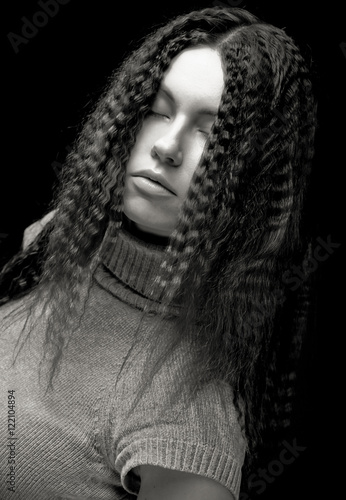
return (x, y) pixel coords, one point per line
(49, 85)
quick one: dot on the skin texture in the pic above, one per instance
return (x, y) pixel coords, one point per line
(172, 139)
(158, 483)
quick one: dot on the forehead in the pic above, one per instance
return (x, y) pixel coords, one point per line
(196, 73)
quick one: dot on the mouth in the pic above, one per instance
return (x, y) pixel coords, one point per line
(155, 179)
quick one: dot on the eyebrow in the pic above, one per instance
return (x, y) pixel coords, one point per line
(203, 111)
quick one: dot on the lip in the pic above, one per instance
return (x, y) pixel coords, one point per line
(156, 177)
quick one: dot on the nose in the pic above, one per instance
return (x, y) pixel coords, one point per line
(168, 149)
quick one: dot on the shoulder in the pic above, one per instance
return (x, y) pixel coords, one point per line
(158, 482)
(32, 231)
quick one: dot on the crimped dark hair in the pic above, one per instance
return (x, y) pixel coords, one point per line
(240, 227)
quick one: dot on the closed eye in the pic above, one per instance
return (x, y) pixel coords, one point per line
(151, 112)
(206, 125)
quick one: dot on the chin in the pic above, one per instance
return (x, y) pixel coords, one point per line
(148, 222)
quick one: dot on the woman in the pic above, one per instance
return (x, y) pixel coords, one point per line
(150, 338)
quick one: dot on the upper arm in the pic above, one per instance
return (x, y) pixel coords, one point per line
(158, 483)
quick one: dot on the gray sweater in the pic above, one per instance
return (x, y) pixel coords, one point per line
(79, 441)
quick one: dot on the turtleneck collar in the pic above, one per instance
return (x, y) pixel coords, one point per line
(135, 262)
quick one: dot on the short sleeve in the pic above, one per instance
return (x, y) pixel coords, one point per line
(200, 435)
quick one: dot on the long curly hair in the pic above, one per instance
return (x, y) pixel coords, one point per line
(241, 225)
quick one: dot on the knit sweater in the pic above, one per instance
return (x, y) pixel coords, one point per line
(80, 441)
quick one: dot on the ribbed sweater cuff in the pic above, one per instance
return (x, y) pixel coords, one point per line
(183, 456)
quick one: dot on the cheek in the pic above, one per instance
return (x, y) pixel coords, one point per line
(191, 161)
(142, 146)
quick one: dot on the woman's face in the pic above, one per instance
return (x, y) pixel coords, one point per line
(171, 141)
